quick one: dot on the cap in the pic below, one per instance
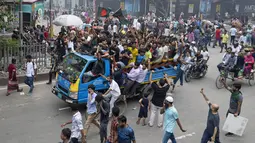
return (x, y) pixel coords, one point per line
(169, 99)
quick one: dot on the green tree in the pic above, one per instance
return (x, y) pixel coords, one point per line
(6, 16)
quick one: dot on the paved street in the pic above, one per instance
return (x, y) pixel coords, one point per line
(37, 119)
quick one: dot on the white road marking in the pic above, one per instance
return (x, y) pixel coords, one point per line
(24, 85)
(183, 136)
(65, 108)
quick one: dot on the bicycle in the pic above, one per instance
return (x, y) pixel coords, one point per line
(224, 75)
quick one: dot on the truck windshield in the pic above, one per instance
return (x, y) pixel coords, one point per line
(72, 67)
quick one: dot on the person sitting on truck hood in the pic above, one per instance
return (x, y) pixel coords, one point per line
(131, 78)
(98, 67)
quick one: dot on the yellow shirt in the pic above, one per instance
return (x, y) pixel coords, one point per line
(134, 54)
(225, 38)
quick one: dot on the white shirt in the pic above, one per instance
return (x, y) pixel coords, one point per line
(77, 125)
(30, 66)
(193, 49)
(115, 29)
(138, 26)
(121, 48)
(142, 74)
(115, 89)
(205, 55)
(167, 32)
(70, 45)
(236, 50)
(244, 39)
(233, 31)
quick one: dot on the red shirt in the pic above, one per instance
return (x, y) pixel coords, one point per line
(12, 70)
(114, 130)
(218, 34)
(46, 35)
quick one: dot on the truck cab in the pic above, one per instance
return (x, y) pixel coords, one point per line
(71, 81)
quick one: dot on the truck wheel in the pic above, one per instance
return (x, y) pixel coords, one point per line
(148, 91)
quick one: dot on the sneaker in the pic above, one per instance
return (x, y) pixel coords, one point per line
(7, 94)
(20, 90)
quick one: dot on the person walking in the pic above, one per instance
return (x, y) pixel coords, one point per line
(91, 110)
(233, 32)
(113, 138)
(212, 132)
(12, 80)
(236, 100)
(77, 127)
(159, 95)
(65, 135)
(31, 72)
(104, 117)
(125, 132)
(170, 119)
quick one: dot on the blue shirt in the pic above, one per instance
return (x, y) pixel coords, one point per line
(171, 115)
(140, 58)
(126, 135)
(91, 104)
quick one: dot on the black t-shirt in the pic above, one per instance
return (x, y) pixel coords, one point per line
(199, 57)
(124, 59)
(104, 116)
(61, 46)
(159, 94)
(213, 120)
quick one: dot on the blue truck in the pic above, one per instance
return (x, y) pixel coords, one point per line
(73, 89)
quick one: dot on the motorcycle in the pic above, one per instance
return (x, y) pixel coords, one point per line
(193, 71)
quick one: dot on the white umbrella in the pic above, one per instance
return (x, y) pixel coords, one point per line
(68, 20)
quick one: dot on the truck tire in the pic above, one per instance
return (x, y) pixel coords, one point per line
(148, 90)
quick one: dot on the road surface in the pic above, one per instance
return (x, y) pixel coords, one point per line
(37, 118)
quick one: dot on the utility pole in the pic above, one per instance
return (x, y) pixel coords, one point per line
(51, 27)
(171, 9)
(145, 7)
(20, 22)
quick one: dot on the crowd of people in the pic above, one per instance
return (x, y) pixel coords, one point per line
(143, 46)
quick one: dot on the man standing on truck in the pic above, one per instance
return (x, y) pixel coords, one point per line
(91, 109)
(98, 67)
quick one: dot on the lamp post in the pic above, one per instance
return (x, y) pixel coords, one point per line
(20, 22)
(51, 27)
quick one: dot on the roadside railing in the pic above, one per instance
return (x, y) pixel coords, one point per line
(38, 52)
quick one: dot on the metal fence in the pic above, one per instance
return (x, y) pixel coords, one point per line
(36, 50)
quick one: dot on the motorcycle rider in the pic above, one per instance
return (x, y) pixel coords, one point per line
(193, 49)
(230, 65)
(200, 63)
(225, 58)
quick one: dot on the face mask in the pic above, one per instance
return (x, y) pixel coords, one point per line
(115, 69)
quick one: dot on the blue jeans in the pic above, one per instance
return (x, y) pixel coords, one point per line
(30, 82)
(179, 76)
(168, 136)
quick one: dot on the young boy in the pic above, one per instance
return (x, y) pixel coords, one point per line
(65, 135)
(113, 138)
(125, 132)
(104, 116)
(143, 113)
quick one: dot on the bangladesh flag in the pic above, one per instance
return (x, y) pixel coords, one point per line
(103, 12)
(120, 16)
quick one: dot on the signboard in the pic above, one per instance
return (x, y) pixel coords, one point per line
(235, 125)
(249, 8)
(218, 8)
(191, 8)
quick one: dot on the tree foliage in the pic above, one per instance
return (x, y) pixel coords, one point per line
(6, 12)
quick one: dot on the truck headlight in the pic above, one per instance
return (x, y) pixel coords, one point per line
(73, 95)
